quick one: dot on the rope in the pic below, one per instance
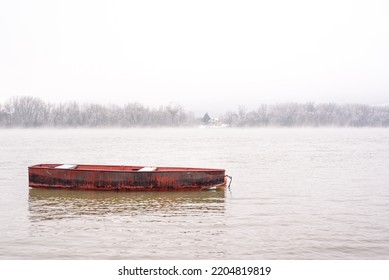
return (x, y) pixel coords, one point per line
(229, 177)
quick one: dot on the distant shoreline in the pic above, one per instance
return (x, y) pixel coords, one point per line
(32, 112)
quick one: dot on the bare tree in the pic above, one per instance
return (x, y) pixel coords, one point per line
(230, 118)
(135, 115)
(3, 116)
(29, 111)
(173, 109)
(26, 111)
(94, 115)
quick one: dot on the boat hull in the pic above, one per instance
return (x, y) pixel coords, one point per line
(125, 178)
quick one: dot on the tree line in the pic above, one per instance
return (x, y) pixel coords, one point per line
(310, 114)
(27, 111)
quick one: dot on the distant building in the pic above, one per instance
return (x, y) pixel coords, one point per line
(206, 118)
(211, 122)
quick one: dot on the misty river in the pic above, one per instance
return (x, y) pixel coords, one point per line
(297, 193)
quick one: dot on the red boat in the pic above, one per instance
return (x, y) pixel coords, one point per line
(119, 177)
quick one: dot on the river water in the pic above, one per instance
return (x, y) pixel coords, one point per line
(301, 193)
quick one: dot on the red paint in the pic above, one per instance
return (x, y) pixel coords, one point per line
(111, 177)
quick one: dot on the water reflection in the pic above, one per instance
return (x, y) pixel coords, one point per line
(48, 204)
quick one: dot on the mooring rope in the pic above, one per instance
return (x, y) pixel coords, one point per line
(229, 177)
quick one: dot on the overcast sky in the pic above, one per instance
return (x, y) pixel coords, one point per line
(205, 55)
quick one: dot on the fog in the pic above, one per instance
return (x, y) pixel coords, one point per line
(208, 56)
(27, 111)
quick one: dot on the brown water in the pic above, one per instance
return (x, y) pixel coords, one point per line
(296, 194)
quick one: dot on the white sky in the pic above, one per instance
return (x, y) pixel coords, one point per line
(205, 55)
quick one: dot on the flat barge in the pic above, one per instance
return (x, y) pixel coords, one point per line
(124, 178)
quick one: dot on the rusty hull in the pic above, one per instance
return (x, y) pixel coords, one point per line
(125, 178)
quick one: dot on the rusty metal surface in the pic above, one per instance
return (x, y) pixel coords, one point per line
(103, 177)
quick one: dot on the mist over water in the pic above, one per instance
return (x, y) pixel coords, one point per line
(297, 193)
(28, 111)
